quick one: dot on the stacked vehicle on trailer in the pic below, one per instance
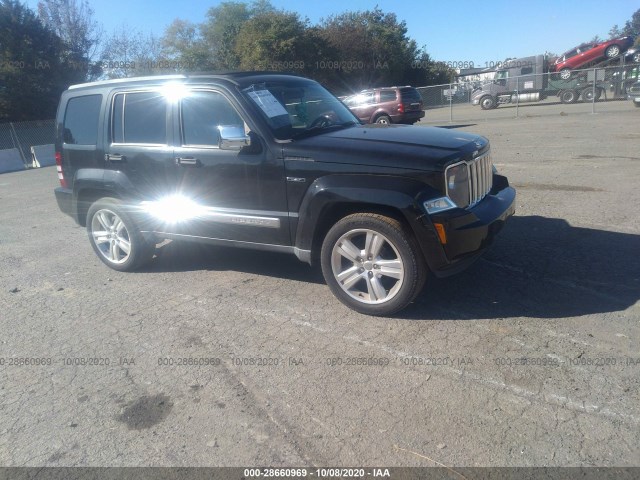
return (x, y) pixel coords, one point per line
(536, 78)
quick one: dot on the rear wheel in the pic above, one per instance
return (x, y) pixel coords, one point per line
(372, 264)
(565, 74)
(383, 120)
(115, 237)
(612, 51)
(587, 94)
(569, 96)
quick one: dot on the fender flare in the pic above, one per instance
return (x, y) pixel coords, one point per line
(111, 182)
(399, 193)
(378, 113)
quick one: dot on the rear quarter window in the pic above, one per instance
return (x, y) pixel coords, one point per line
(81, 120)
(410, 95)
(387, 95)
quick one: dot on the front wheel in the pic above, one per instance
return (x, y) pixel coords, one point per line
(487, 103)
(115, 238)
(372, 264)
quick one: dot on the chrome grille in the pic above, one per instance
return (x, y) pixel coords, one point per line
(480, 178)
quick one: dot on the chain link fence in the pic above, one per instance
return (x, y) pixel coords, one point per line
(19, 137)
(512, 93)
(592, 90)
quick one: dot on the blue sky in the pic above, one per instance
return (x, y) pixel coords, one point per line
(457, 31)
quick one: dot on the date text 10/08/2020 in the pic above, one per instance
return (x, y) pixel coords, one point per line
(316, 472)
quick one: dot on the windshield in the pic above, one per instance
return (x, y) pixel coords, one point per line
(295, 108)
(501, 75)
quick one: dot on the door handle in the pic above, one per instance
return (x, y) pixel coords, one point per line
(188, 161)
(114, 157)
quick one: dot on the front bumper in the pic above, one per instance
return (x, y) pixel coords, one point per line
(468, 232)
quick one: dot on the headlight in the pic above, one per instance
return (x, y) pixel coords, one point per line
(457, 178)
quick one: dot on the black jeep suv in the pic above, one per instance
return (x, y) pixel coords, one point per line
(277, 163)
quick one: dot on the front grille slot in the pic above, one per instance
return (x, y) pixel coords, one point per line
(480, 178)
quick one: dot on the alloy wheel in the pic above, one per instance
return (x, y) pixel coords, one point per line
(367, 266)
(111, 236)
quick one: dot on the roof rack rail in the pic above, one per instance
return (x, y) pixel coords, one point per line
(130, 79)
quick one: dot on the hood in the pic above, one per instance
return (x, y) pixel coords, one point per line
(401, 146)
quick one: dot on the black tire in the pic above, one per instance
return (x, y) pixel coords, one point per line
(488, 102)
(565, 73)
(569, 96)
(393, 275)
(587, 94)
(612, 51)
(111, 230)
(383, 120)
(636, 57)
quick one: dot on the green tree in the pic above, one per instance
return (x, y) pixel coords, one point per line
(615, 32)
(379, 44)
(73, 22)
(631, 27)
(346, 52)
(128, 52)
(183, 44)
(33, 71)
(222, 26)
(279, 40)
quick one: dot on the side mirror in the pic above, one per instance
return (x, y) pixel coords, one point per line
(232, 137)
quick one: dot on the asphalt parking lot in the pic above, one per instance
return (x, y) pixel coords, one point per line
(529, 358)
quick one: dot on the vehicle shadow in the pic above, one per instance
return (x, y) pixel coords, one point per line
(539, 267)
(183, 256)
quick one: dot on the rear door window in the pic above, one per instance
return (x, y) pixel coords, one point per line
(361, 99)
(81, 120)
(139, 118)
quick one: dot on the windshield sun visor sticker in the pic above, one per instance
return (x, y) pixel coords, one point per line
(268, 103)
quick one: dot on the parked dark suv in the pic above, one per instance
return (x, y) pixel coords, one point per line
(276, 163)
(387, 105)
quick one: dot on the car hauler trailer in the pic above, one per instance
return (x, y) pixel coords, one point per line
(528, 79)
